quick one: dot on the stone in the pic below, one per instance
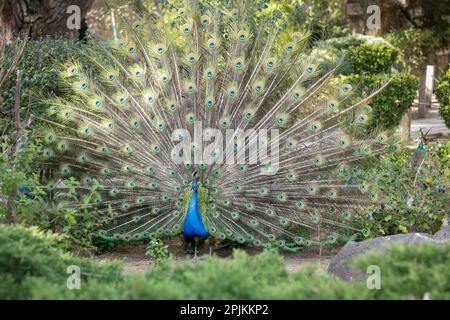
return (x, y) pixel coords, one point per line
(339, 264)
(443, 234)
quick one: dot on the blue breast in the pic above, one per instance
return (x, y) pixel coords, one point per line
(193, 225)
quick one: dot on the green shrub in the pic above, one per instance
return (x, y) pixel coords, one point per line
(343, 43)
(34, 204)
(443, 96)
(372, 58)
(27, 253)
(32, 267)
(389, 106)
(415, 44)
(412, 188)
(157, 250)
(40, 67)
(410, 271)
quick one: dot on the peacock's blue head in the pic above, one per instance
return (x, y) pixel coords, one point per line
(194, 185)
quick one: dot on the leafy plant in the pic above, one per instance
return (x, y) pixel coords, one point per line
(411, 57)
(412, 188)
(372, 58)
(443, 96)
(157, 250)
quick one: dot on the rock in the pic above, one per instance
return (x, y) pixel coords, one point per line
(443, 234)
(339, 264)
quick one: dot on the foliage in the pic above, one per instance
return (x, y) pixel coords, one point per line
(40, 68)
(345, 42)
(443, 96)
(369, 63)
(412, 187)
(157, 250)
(372, 58)
(392, 102)
(33, 203)
(323, 19)
(27, 253)
(410, 271)
(412, 56)
(32, 267)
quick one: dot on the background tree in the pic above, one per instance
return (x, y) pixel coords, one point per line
(38, 17)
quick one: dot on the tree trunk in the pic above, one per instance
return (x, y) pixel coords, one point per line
(39, 17)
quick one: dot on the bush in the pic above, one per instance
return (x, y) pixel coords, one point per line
(410, 271)
(369, 62)
(32, 267)
(389, 106)
(157, 250)
(372, 58)
(40, 64)
(27, 253)
(415, 44)
(443, 96)
(343, 43)
(413, 185)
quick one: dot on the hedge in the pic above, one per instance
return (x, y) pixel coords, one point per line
(32, 267)
(389, 106)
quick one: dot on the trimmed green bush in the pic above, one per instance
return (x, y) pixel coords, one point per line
(372, 58)
(443, 96)
(389, 106)
(410, 271)
(27, 253)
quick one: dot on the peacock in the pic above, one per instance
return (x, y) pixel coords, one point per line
(213, 122)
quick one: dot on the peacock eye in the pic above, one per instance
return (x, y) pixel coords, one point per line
(132, 50)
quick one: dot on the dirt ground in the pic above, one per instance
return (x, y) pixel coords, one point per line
(134, 259)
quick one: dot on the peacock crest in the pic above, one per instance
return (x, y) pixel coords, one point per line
(171, 111)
